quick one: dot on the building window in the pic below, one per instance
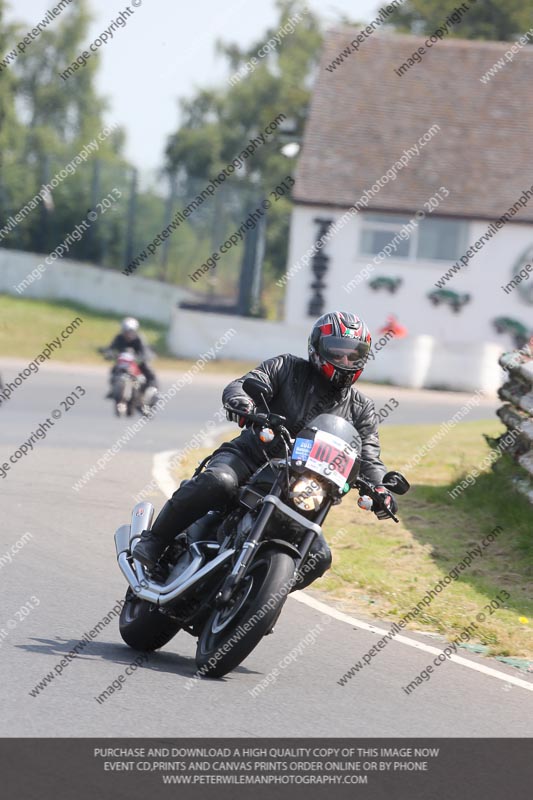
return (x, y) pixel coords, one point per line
(434, 238)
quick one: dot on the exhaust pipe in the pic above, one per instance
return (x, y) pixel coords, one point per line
(141, 520)
(140, 584)
(142, 517)
(162, 594)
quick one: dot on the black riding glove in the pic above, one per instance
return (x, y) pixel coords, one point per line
(388, 501)
(239, 406)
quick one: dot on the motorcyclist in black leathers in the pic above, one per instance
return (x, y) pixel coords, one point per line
(131, 338)
(299, 390)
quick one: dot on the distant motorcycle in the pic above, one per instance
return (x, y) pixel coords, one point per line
(225, 579)
(128, 385)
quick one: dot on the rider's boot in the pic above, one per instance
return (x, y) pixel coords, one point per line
(154, 542)
(210, 490)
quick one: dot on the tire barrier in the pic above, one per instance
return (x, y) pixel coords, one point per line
(517, 411)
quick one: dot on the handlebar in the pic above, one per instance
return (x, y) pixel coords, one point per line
(276, 422)
(106, 354)
(377, 499)
(266, 418)
(112, 355)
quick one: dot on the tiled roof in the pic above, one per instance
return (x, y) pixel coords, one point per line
(363, 116)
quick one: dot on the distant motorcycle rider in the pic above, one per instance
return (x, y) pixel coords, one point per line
(131, 338)
(299, 390)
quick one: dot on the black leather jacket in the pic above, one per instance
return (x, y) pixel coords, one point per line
(138, 345)
(298, 392)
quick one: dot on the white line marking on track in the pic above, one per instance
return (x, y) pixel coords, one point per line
(161, 469)
(161, 472)
(163, 476)
(301, 597)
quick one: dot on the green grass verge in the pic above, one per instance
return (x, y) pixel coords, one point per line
(383, 569)
(26, 326)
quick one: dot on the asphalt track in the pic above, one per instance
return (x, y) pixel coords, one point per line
(68, 566)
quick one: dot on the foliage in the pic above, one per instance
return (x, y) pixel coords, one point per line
(499, 20)
(44, 123)
(217, 123)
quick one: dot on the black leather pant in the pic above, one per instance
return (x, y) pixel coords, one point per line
(148, 373)
(215, 489)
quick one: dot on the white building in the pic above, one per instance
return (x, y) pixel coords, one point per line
(439, 140)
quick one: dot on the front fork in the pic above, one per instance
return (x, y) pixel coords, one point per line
(310, 536)
(255, 537)
(245, 557)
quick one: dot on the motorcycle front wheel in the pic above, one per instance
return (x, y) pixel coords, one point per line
(232, 632)
(122, 395)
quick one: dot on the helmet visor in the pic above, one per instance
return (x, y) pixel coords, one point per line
(344, 353)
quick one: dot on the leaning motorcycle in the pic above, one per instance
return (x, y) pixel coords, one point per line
(128, 385)
(225, 579)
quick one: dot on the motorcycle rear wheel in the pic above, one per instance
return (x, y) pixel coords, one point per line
(264, 590)
(143, 627)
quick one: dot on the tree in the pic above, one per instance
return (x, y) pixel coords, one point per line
(218, 122)
(61, 115)
(499, 20)
(10, 128)
(44, 123)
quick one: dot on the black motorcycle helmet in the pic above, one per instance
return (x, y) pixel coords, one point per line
(339, 345)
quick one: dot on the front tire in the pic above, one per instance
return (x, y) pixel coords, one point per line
(122, 394)
(264, 590)
(143, 627)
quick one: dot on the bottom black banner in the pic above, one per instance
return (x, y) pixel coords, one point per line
(374, 769)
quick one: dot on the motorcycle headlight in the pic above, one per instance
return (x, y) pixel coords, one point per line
(307, 494)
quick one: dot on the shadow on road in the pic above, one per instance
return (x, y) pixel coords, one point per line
(119, 654)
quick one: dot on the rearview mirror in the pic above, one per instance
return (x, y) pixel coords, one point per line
(255, 388)
(395, 482)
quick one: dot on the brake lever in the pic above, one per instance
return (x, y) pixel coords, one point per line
(376, 498)
(382, 507)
